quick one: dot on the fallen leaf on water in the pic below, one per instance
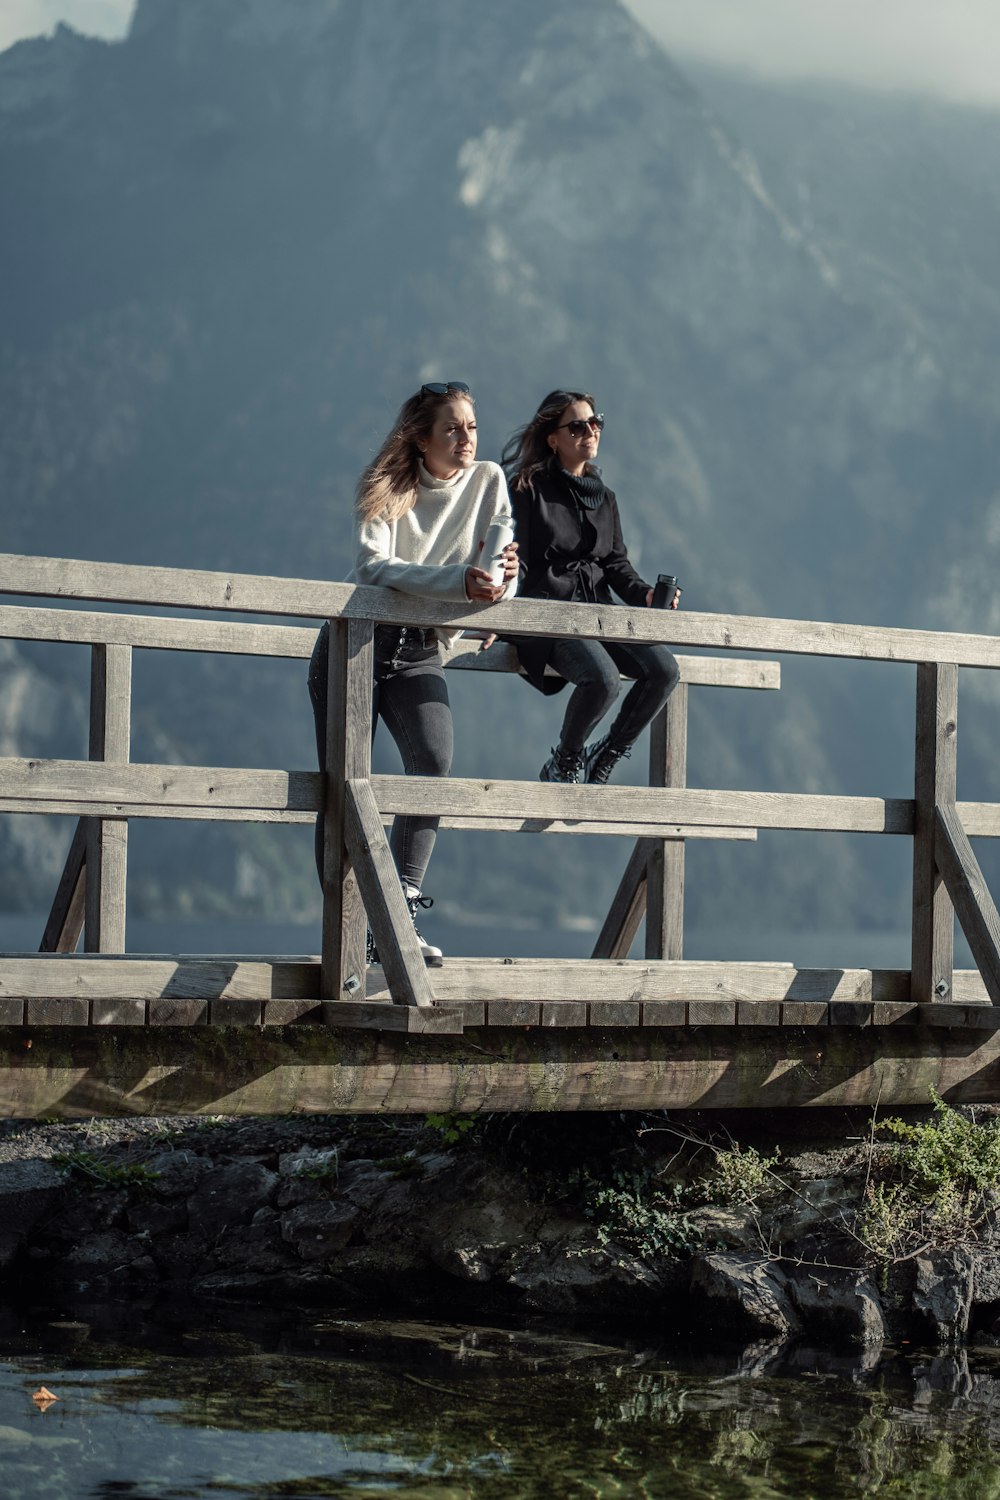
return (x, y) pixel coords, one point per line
(43, 1398)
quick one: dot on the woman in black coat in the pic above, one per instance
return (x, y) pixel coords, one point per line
(570, 547)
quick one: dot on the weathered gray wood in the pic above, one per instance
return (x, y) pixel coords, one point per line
(64, 927)
(348, 754)
(123, 787)
(935, 760)
(589, 980)
(576, 826)
(804, 1013)
(177, 1012)
(166, 633)
(395, 938)
(455, 796)
(77, 807)
(107, 838)
(172, 1070)
(665, 869)
(628, 906)
(664, 1013)
(970, 894)
(581, 981)
(432, 1020)
(980, 819)
(162, 632)
(47, 1011)
(109, 976)
(708, 671)
(119, 1012)
(255, 594)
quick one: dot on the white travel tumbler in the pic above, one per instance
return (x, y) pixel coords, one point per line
(499, 534)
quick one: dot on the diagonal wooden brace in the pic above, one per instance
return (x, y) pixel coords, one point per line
(388, 914)
(65, 923)
(970, 896)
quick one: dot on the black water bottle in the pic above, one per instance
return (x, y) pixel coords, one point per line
(666, 591)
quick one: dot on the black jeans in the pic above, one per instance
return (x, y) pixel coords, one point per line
(411, 697)
(594, 667)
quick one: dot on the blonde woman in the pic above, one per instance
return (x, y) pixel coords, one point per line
(423, 507)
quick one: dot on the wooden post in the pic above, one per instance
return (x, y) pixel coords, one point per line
(348, 757)
(107, 838)
(933, 939)
(665, 868)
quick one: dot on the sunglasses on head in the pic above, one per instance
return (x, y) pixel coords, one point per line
(583, 425)
(444, 388)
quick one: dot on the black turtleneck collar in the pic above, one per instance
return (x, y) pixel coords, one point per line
(588, 489)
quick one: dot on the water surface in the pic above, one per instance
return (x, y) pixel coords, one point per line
(254, 1404)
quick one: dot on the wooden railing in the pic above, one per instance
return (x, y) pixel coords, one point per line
(359, 881)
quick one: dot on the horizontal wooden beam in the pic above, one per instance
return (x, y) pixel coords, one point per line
(256, 594)
(312, 1069)
(76, 781)
(155, 632)
(94, 789)
(458, 797)
(100, 977)
(307, 817)
(293, 642)
(704, 671)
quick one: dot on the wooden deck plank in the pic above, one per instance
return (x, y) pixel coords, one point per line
(178, 990)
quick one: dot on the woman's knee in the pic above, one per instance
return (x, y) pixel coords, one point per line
(664, 670)
(431, 760)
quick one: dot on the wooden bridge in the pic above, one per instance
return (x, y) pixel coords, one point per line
(106, 1032)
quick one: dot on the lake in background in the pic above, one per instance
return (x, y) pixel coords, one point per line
(20, 933)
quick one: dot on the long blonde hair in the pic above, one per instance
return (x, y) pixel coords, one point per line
(387, 488)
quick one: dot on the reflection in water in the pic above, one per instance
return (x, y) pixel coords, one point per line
(307, 1404)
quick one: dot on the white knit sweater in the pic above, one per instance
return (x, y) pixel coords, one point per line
(427, 551)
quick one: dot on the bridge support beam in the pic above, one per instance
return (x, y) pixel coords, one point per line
(80, 1072)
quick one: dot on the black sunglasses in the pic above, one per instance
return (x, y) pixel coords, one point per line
(583, 425)
(443, 387)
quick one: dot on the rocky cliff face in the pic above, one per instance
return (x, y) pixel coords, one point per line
(237, 238)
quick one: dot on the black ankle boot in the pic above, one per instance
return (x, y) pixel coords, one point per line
(601, 759)
(563, 765)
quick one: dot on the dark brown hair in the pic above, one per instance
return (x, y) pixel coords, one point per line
(527, 450)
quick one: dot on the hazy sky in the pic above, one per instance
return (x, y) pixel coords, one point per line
(948, 48)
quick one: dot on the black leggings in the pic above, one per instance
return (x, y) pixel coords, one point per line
(594, 667)
(411, 697)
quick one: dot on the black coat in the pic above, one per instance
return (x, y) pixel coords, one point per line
(567, 551)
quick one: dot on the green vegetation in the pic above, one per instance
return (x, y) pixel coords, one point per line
(938, 1184)
(452, 1128)
(99, 1172)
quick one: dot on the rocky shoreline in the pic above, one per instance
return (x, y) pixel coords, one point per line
(585, 1220)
